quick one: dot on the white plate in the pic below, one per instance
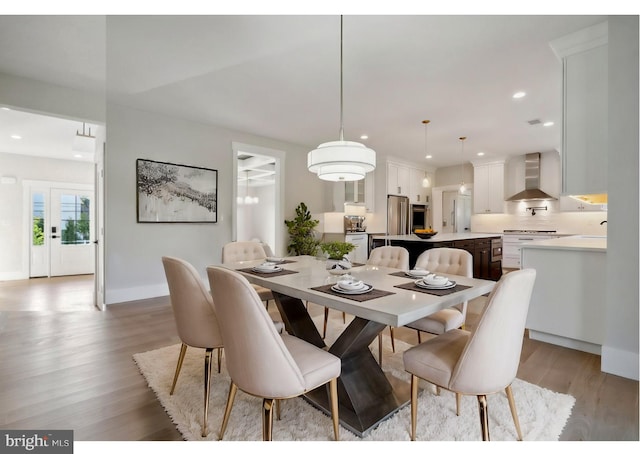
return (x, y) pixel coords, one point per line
(417, 273)
(270, 269)
(420, 283)
(275, 259)
(353, 287)
(367, 288)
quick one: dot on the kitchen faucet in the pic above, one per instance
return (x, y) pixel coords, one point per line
(603, 222)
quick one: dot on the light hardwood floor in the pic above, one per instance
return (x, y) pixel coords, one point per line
(71, 367)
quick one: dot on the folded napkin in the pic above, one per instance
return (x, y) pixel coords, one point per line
(351, 285)
(418, 272)
(435, 280)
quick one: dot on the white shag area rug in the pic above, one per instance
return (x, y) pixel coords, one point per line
(543, 413)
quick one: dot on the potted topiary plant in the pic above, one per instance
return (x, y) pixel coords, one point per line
(337, 260)
(302, 232)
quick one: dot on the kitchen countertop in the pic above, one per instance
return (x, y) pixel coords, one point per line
(438, 237)
(575, 242)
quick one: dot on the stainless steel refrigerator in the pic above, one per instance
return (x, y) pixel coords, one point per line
(397, 215)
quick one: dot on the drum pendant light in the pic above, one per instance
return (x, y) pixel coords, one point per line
(341, 160)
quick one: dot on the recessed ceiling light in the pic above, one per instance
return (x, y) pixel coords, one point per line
(5, 108)
(15, 136)
(77, 155)
(428, 156)
(480, 153)
(548, 123)
(364, 137)
(518, 95)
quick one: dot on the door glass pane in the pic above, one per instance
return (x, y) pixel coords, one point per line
(74, 219)
(37, 207)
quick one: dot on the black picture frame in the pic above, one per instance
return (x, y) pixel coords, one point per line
(175, 193)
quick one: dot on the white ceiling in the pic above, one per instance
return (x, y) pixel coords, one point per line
(278, 76)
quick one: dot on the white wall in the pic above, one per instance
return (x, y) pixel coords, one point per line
(12, 230)
(35, 96)
(133, 260)
(620, 349)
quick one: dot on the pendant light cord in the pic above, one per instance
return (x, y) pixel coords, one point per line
(341, 96)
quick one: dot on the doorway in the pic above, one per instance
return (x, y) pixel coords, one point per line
(55, 162)
(258, 195)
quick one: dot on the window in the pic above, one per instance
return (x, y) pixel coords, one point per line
(74, 219)
(37, 206)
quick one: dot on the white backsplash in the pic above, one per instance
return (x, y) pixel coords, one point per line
(518, 218)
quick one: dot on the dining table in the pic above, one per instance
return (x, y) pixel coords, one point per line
(366, 395)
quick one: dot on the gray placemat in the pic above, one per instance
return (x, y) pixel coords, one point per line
(275, 274)
(438, 292)
(375, 293)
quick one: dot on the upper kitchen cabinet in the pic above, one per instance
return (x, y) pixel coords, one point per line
(488, 187)
(418, 194)
(360, 191)
(584, 56)
(403, 179)
(397, 179)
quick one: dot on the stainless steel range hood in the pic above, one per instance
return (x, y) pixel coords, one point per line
(531, 181)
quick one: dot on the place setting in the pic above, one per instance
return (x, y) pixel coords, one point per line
(432, 283)
(349, 287)
(269, 267)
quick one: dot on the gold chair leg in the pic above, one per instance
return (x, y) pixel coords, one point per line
(227, 411)
(219, 359)
(437, 390)
(278, 402)
(484, 417)
(183, 350)
(514, 413)
(414, 405)
(333, 390)
(393, 343)
(326, 317)
(267, 419)
(458, 397)
(207, 389)
(380, 349)
(344, 318)
(419, 337)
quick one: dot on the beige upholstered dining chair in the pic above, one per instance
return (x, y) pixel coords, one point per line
(259, 360)
(481, 362)
(240, 251)
(448, 261)
(392, 257)
(196, 320)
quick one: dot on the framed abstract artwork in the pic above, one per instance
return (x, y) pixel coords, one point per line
(175, 193)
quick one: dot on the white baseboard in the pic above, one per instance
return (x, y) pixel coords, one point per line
(13, 276)
(565, 342)
(135, 293)
(619, 362)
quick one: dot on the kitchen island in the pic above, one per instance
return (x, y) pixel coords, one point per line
(486, 249)
(568, 301)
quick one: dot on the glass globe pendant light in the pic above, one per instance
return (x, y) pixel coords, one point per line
(463, 188)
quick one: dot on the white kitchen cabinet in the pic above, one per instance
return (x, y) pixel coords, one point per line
(570, 204)
(417, 193)
(512, 247)
(360, 191)
(488, 188)
(584, 56)
(361, 241)
(398, 179)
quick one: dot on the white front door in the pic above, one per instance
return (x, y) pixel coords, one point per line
(71, 232)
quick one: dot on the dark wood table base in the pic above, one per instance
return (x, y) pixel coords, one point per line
(366, 396)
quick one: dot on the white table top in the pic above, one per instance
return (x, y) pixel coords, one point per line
(404, 306)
